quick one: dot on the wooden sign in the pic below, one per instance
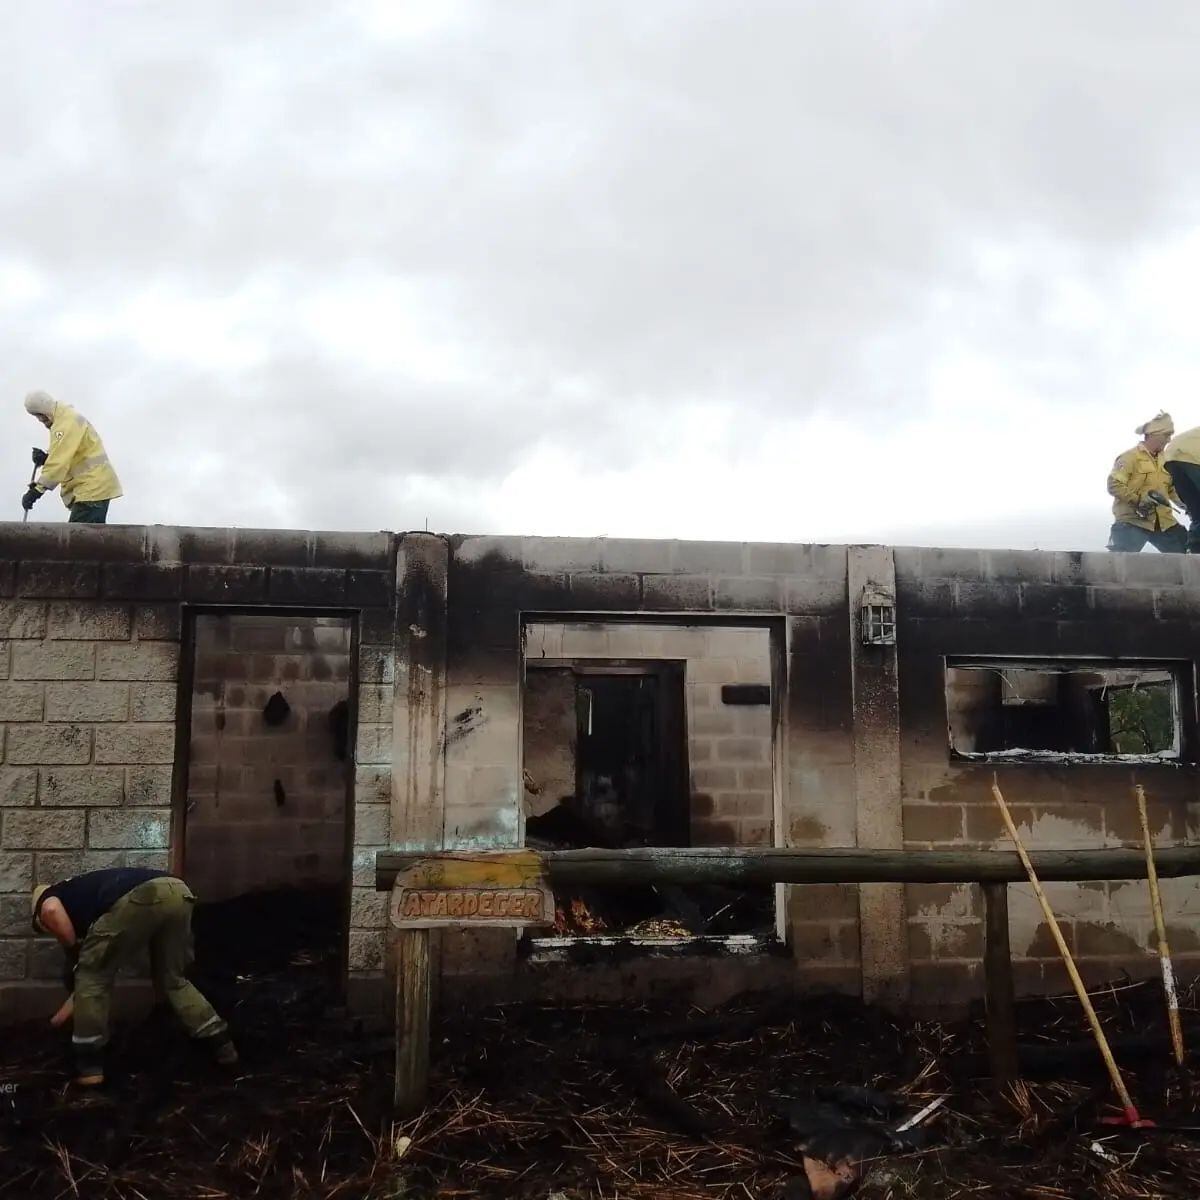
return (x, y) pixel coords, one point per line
(506, 888)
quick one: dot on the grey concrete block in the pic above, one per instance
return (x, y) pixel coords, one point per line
(1123, 600)
(5, 659)
(595, 590)
(371, 822)
(298, 585)
(365, 551)
(87, 701)
(368, 908)
(1019, 566)
(157, 622)
(551, 555)
(48, 745)
(154, 702)
(16, 872)
(365, 951)
(374, 744)
(148, 786)
(18, 787)
(373, 785)
(142, 581)
(376, 702)
(38, 829)
(1054, 600)
(105, 543)
(707, 558)
(54, 580)
(137, 745)
(376, 664)
(778, 558)
(922, 597)
(1152, 569)
(371, 589)
(470, 550)
(134, 829)
(22, 619)
(1083, 567)
(150, 860)
(810, 594)
(944, 563)
(13, 958)
(81, 787)
(273, 547)
(638, 556)
(749, 593)
(677, 593)
(226, 585)
(54, 660)
(140, 661)
(89, 622)
(985, 598)
(1175, 604)
(14, 916)
(21, 701)
(173, 544)
(8, 578)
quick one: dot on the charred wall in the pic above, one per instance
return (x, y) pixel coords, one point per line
(1045, 606)
(94, 682)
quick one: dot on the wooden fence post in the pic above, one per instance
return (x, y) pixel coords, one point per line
(999, 998)
(413, 1011)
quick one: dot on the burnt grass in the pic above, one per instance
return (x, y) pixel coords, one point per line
(646, 1100)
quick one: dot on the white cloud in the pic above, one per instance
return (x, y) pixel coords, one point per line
(905, 272)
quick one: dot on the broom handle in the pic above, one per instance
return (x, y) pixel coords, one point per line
(1160, 928)
(1131, 1112)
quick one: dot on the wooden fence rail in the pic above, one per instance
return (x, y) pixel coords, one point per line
(993, 870)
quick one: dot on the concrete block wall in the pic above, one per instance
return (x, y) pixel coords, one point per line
(494, 581)
(90, 629)
(266, 803)
(1049, 605)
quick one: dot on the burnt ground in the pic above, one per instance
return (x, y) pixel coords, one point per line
(568, 1103)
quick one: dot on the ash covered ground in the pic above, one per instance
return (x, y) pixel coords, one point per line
(647, 1100)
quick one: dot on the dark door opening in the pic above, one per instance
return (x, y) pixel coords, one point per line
(625, 754)
(265, 843)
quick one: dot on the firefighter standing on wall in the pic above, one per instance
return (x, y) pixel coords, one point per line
(105, 920)
(76, 461)
(1135, 474)
(1182, 461)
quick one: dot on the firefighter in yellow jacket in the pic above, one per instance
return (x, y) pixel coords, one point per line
(1182, 461)
(1137, 518)
(76, 462)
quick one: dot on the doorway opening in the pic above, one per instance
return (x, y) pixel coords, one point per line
(266, 818)
(650, 735)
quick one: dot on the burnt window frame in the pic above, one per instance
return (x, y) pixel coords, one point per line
(1182, 671)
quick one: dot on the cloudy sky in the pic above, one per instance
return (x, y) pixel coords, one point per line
(895, 271)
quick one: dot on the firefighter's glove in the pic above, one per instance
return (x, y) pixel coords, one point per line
(39, 457)
(30, 498)
(1145, 507)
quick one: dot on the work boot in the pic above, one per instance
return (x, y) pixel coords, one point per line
(89, 1074)
(225, 1052)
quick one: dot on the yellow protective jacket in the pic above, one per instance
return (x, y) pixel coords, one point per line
(1184, 447)
(1135, 473)
(76, 461)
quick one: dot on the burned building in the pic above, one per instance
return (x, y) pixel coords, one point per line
(265, 711)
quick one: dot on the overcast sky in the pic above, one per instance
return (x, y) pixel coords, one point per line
(901, 271)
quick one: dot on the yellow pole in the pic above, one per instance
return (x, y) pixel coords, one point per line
(1131, 1112)
(1160, 928)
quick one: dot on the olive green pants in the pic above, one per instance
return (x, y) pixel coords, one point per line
(155, 915)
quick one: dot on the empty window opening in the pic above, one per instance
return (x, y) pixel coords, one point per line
(1063, 710)
(265, 838)
(644, 735)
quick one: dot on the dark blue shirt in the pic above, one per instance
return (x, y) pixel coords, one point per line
(89, 896)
